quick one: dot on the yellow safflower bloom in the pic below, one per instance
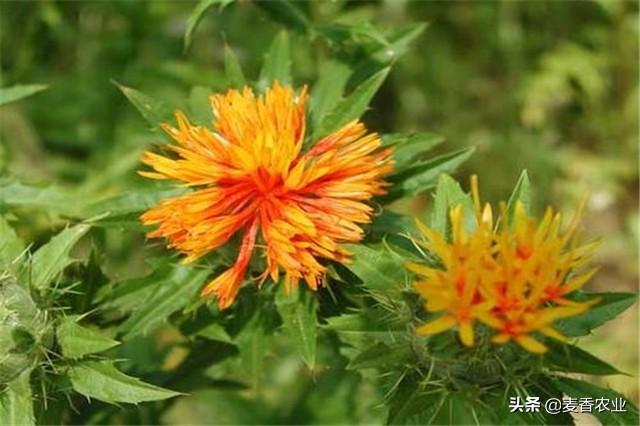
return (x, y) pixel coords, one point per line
(514, 279)
(253, 177)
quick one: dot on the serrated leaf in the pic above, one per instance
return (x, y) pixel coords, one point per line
(449, 194)
(580, 389)
(610, 306)
(416, 179)
(153, 110)
(408, 148)
(353, 106)
(277, 62)
(11, 246)
(381, 271)
(53, 257)
(328, 89)
(16, 402)
(570, 358)
(77, 341)
(232, 68)
(180, 286)
(298, 312)
(15, 93)
(398, 42)
(521, 193)
(197, 15)
(101, 380)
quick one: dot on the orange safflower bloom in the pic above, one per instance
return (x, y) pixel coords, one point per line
(252, 176)
(513, 279)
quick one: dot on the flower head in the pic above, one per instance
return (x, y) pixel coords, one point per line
(252, 177)
(513, 279)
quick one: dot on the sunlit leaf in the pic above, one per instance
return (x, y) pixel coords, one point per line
(153, 110)
(77, 341)
(409, 148)
(572, 359)
(15, 93)
(449, 194)
(101, 380)
(353, 106)
(610, 306)
(53, 257)
(423, 176)
(521, 193)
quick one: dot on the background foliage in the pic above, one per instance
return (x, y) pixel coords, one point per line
(547, 86)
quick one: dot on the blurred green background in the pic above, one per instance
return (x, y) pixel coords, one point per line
(547, 86)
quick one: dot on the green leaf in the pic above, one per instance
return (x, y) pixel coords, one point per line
(232, 68)
(569, 358)
(15, 93)
(380, 355)
(381, 271)
(127, 206)
(16, 406)
(154, 111)
(53, 257)
(298, 312)
(408, 148)
(133, 201)
(11, 246)
(448, 195)
(328, 89)
(422, 176)
(610, 306)
(367, 326)
(200, 107)
(580, 389)
(77, 341)
(197, 15)
(14, 193)
(287, 13)
(179, 287)
(398, 42)
(277, 62)
(353, 106)
(522, 193)
(253, 345)
(101, 380)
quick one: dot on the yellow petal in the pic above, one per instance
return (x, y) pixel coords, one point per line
(553, 333)
(443, 323)
(466, 333)
(531, 344)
